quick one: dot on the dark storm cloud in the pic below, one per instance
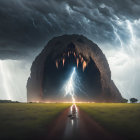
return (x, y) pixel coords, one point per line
(26, 25)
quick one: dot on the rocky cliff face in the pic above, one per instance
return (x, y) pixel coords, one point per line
(84, 50)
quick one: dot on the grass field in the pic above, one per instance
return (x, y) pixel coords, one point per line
(27, 121)
(122, 119)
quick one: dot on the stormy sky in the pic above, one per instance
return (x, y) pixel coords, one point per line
(27, 25)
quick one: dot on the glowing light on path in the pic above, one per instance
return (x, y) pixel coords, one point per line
(69, 87)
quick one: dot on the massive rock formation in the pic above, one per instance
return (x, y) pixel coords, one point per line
(86, 53)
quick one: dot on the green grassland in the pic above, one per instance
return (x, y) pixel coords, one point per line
(27, 121)
(119, 118)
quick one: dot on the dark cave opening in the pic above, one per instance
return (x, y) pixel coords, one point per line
(58, 70)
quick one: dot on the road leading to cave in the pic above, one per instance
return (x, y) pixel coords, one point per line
(75, 124)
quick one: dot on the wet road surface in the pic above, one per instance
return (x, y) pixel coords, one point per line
(74, 124)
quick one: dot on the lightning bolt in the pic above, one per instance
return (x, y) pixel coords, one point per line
(69, 87)
(130, 30)
(5, 77)
(117, 35)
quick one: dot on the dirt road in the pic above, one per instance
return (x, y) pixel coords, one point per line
(73, 124)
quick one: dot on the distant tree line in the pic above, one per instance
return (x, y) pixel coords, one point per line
(132, 100)
(8, 101)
